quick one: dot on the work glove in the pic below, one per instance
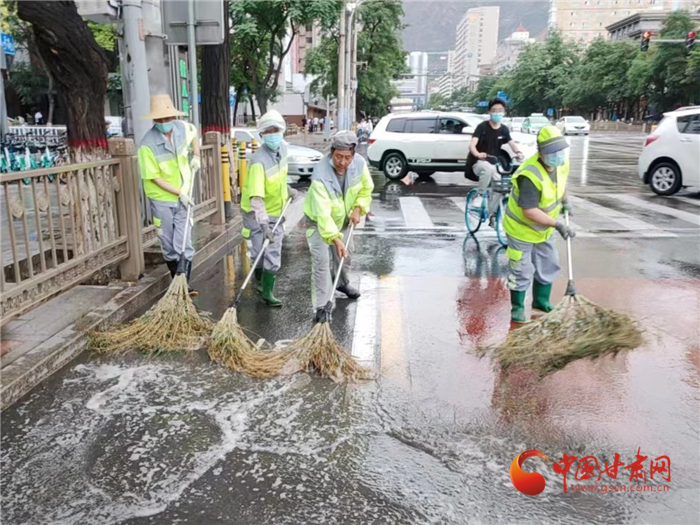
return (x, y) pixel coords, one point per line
(566, 208)
(195, 163)
(269, 234)
(565, 231)
(186, 200)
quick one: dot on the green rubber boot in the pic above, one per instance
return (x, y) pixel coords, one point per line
(268, 285)
(517, 306)
(540, 294)
(258, 279)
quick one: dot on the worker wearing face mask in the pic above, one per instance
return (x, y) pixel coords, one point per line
(264, 195)
(536, 200)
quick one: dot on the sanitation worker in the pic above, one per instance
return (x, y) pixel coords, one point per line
(537, 198)
(167, 169)
(340, 194)
(265, 193)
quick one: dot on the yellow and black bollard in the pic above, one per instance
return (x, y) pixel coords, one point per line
(242, 165)
(226, 178)
(254, 147)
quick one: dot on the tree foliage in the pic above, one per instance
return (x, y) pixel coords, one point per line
(260, 41)
(380, 57)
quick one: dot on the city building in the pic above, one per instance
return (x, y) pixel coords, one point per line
(307, 38)
(636, 25)
(446, 85)
(476, 44)
(415, 85)
(585, 20)
(509, 49)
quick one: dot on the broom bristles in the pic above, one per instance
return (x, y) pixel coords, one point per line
(172, 324)
(577, 328)
(230, 346)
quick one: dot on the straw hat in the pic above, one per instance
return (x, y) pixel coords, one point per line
(162, 107)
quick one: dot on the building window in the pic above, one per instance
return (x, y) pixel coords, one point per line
(309, 28)
(309, 40)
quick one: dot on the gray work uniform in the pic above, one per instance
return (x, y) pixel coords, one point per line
(272, 259)
(172, 215)
(539, 260)
(324, 258)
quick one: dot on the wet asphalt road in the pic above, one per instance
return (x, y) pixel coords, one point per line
(175, 439)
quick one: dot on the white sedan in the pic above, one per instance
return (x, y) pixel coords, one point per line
(301, 160)
(574, 126)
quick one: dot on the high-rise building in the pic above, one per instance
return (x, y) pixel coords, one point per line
(585, 20)
(415, 85)
(510, 48)
(477, 42)
(306, 38)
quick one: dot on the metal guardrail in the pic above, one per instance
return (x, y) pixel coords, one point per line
(57, 232)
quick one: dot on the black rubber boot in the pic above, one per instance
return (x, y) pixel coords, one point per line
(188, 273)
(349, 291)
(172, 266)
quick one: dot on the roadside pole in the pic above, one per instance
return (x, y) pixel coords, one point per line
(135, 71)
(341, 68)
(192, 57)
(353, 70)
(155, 51)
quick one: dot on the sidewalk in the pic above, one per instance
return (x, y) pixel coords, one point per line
(46, 338)
(310, 140)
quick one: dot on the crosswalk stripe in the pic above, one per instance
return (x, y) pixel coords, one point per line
(628, 222)
(414, 213)
(666, 210)
(460, 202)
(364, 338)
(696, 202)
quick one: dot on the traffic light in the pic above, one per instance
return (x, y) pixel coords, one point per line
(645, 40)
(690, 41)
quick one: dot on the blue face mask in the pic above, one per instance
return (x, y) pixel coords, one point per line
(273, 140)
(555, 160)
(496, 117)
(164, 127)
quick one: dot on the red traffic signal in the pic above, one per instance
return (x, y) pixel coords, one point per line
(647, 35)
(690, 41)
(645, 40)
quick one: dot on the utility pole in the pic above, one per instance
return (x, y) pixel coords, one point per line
(353, 71)
(341, 68)
(135, 71)
(348, 66)
(155, 53)
(192, 56)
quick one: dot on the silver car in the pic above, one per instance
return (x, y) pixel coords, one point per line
(301, 160)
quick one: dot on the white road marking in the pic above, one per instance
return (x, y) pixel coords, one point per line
(460, 202)
(628, 222)
(693, 218)
(364, 335)
(696, 202)
(414, 213)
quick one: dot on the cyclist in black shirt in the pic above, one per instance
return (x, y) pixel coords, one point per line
(488, 139)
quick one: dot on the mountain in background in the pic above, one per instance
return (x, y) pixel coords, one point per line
(432, 26)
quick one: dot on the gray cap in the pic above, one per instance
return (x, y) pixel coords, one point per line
(344, 140)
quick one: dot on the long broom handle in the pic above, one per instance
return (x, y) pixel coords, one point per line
(180, 264)
(570, 290)
(266, 243)
(340, 265)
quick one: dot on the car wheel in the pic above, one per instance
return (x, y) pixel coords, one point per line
(665, 179)
(395, 166)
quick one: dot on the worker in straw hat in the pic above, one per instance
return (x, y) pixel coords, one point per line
(264, 195)
(536, 200)
(340, 193)
(166, 169)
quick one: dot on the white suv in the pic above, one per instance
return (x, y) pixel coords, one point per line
(671, 155)
(426, 142)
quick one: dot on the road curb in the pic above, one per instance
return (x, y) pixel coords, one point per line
(31, 369)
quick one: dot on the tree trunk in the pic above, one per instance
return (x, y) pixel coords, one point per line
(252, 107)
(216, 62)
(52, 100)
(78, 65)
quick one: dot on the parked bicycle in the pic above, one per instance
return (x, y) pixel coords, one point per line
(476, 213)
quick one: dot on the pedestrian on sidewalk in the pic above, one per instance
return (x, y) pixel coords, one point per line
(340, 193)
(167, 169)
(265, 192)
(315, 124)
(537, 198)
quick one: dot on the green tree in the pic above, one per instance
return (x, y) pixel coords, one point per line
(261, 38)
(436, 101)
(380, 57)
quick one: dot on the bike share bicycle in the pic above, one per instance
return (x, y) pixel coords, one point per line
(477, 213)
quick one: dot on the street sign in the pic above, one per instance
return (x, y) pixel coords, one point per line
(231, 100)
(209, 22)
(505, 97)
(8, 43)
(482, 104)
(550, 112)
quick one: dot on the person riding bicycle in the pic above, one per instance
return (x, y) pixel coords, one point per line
(488, 139)
(536, 199)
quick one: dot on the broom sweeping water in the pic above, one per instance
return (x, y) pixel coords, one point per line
(575, 329)
(320, 351)
(172, 324)
(230, 346)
